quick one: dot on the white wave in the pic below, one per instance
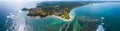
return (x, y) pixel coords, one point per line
(100, 28)
(18, 22)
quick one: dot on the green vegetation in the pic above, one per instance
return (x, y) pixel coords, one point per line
(61, 8)
(65, 16)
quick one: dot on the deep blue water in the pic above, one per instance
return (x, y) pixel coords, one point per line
(3, 13)
(110, 11)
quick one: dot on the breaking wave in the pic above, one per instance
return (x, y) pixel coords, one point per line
(15, 22)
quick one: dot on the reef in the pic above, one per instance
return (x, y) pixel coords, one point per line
(83, 23)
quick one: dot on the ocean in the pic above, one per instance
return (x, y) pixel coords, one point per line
(12, 19)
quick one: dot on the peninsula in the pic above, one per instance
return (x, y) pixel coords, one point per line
(57, 8)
